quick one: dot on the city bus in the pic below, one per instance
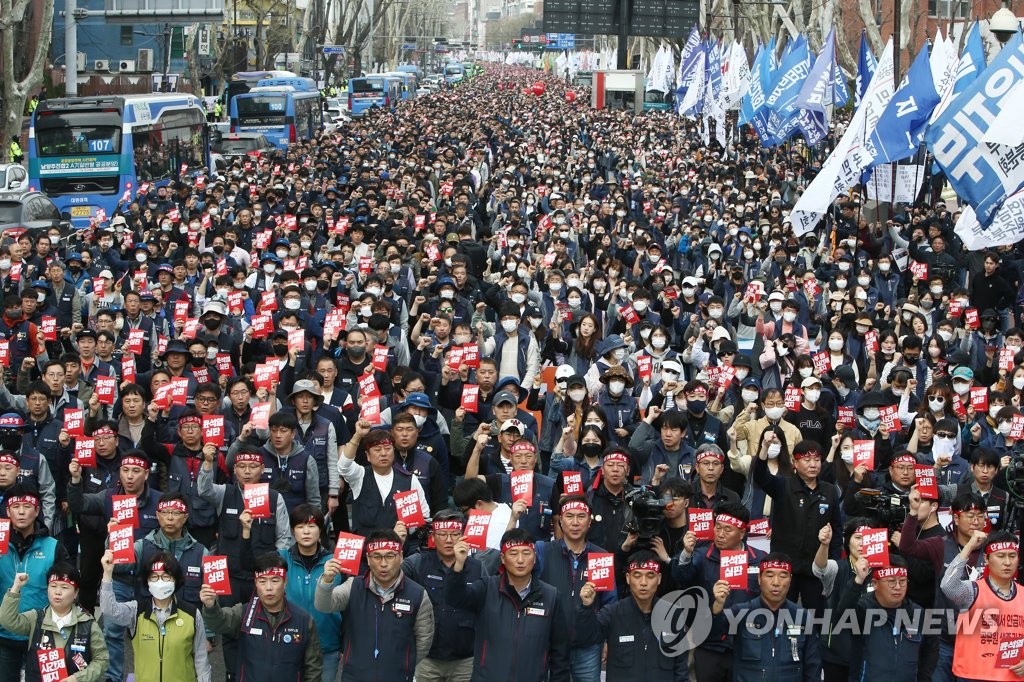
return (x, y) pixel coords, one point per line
(282, 113)
(454, 72)
(243, 81)
(375, 90)
(409, 83)
(87, 153)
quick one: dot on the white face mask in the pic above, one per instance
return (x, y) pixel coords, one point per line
(884, 267)
(749, 396)
(536, 322)
(160, 589)
(509, 325)
(835, 345)
(447, 294)
(936, 291)
(789, 316)
(373, 291)
(140, 257)
(688, 291)
(715, 313)
(847, 455)
(806, 372)
(774, 450)
(1005, 428)
(1018, 382)
(310, 284)
(942, 447)
(41, 298)
(420, 420)
(639, 306)
(936, 403)
(518, 298)
(945, 335)
(658, 342)
(577, 395)
(555, 287)
(812, 396)
(619, 354)
(365, 310)
(774, 413)
(269, 268)
(775, 306)
(292, 303)
(871, 413)
(305, 245)
(575, 302)
(863, 281)
(993, 410)
(961, 387)
(616, 387)
(742, 374)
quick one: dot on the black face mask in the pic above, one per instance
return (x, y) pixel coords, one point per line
(218, 249)
(280, 349)
(198, 362)
(590, 449)
(212, 323)
(911, 359)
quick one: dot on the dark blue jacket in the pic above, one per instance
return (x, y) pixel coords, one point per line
(454, 628)
(758, 656)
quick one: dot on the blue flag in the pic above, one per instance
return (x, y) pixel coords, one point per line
(781, 103)
(898, 132)
(984, 175)
(866, 64)
(840, 93)
(754, 99)
(816, 92)
(972, 61)
(688, 64)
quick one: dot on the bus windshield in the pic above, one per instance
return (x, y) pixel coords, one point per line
(364, 85)
(261, 110)
(72, 134)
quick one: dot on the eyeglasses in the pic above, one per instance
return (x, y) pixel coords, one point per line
(447, 535)
(163, 578)
(206, 398)
(893, 583)
(171, 513)
(446, 310)
(383, 556)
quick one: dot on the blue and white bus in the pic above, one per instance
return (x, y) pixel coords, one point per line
(243, 81)
(283, 113)
(86, 153)
(374, 90)
(454, 72)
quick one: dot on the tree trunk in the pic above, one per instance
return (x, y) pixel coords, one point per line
(17, 87)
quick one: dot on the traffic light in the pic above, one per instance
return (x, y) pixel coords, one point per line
(517, 44)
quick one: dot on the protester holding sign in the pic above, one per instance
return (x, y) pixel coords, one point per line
(173, 537)
(62, 626)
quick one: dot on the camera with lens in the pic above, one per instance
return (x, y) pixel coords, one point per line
(885, 509)
(646, 517)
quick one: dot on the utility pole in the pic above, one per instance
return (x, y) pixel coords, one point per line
(622, 51)
(165, 86)
(896, 37)
(71, 17)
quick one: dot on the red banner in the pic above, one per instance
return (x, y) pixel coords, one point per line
(179, 391)
(380, 359)
(644, 367)
(136, 337)
(979, 398)
(572, 483)
(256, 497)
(864, 454)
(125, 510)
(875, 547)
(128, 368)
(871, 340)
(629, 315)
(349, 552)
(48, 325)
(889, 416)
(85, 451)
(215, 574)
(106, 387)
(847, 418)
(260, 416)
(213, 429)
(74, 422)
(368, 386)
(601, 571)
(265, 376)
(262, 325)
(926, 483)
(971, 319)
(470, 397)
(793, 398)
(297, 340)
(476, 529)
(52, 666)
(5, 535)
(822, 363)
(471, 356)
(759, 527)
(370, 410)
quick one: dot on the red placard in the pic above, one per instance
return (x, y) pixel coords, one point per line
(260, 416)
(262, 325)
(979, 398)
(235, 302)
(971, 319)
(572, 483)
(522, 486)
(128, 368)
(368, 386)
(213, 429)
(793, 398)
(890, 417)
(297, 340)
(470, 397)
(419, 222)
(268, 301)
(380, 358)
(179, 391)
(5, 352)
(454, 359)
(106, 387)
(49, 327)
(432, 252)
(74, 422)
(136, 337)
(201, 375)
(846, 417)
(958, 406)
(476, 529)
(471, 356)
(366, 265)
(926, 483)
(875, 547)
(407, 505)
(256, 497)
(759, 527)
(121, 541)
(52, 665)
(1006, 359)
(822, 362)
(864, 454)
(644, 367)
(162, 396)
(725, 376)
(215, 574)
(85, 451)
(125, 510)
(956, 307)
(181, 309)
(370, 410)
(733, 568)
(224, 366)
(265, 376)
(871, 340)
(1017, 427)
(629, 315)
(919, 270)
(1011, 648)
(702, 523)
(190, 329)
(15, 273)
(601, 571)
(348, 552)
(5, 535)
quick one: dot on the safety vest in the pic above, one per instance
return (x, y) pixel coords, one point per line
(77, 645)
(168, 647)
(989, 620)
(290, 480)
(15, 150)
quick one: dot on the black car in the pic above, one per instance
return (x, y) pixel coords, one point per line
(33, 211)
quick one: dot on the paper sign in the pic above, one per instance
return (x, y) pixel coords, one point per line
(5, 535)
(121, 542)
(181, 309)
(125, 510)
(191, 328)
(875, 547)
(470, 397)
(407, 506)
(629, 315)
(572, 483)
(1006, 359)
(864, 454)
(215, 574)
(201, 375)
(368, 386)
(601, 571)
(349, 552)
(235, 302)
(979, 398)
(733, 568)
(297, 340)
(971, 318)
(846, 417)
(702, 523)
(74, 422)
(454, 359)
(822, 363)
(260, 416)
(1017, 427)
(265, 376)
(471, 356)
(1011, 646)
(476, 529)
(793, 398)
(5, 352)
(380, 359)
(162, 397)
(106, 387)
(179, 391)
(926, 483)
(136, 337)
(128, 368)
(644, 367)
(956, 307)
(85, 451)
(213, 429)
(262, 325)
(370, 410)
(52, 665)
(725, 376)
(256, 497)
(759, 527)
(871, 340)
(48, 325)
(958, 406)
(224, 366)
(919, 270)
(522, 486)
(889, 415)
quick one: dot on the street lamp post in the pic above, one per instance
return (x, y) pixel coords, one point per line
(165, 85)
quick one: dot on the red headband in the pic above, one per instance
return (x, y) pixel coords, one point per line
(904, 458)
(173, 504)
(861, 530)
(191, 419)
(521, 445)
(383, 546)
(447, 524)
(575, 505)
(382, 441)
(104, 431)
(272, 573)
(890, 572)
(709, 454)
(157, 566)
(512, 544)
(780, 565)
(23, 499)
(731, 520)
(617, 457)
(8, 459)
(809, 453)
(131, 461)
(644, 566)
(253, 457)
(61, 578)
(1000, 547)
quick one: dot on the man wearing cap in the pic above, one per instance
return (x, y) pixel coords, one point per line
(451, 652)
(493, 452)
(522, 457)
(25, 339)
(636, 651)
(522, 632)
(277, 639)
(388, 618)
(318, 438)
(31, 551)
(772, 642)
(375, 484)
(889, 649)
(563, 564)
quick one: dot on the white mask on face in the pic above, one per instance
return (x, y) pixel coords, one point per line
(871, 413)
(577, 395)
(292, 303)
(640, 306)
(847, 455)
(536, 322)
(936, 403)
(715, 313)
(884, 267)
(812, 395)
(160, 589)
(749, 396)
(518, 298)
(509, 325)
(742, 374)
(776, 306)
(863, 281)
(140, 257)
(310, 284)
(774, 413)
(269, 268)
(835, 345)
(945, 335)
(658, 342)
(1005, 428)
(420, 420)
(447, 294)
(1018, 382)
(993, 410)
(789, 316)
(616, 387)
(806, 372)
(961, 387)
(619, 354)
(774, 450)
(942, 447)
(555, 288)
(373, 291)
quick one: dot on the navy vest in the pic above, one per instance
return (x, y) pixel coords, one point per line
(267, 654)
(291, 482)
(369, 512)
(380, 638)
